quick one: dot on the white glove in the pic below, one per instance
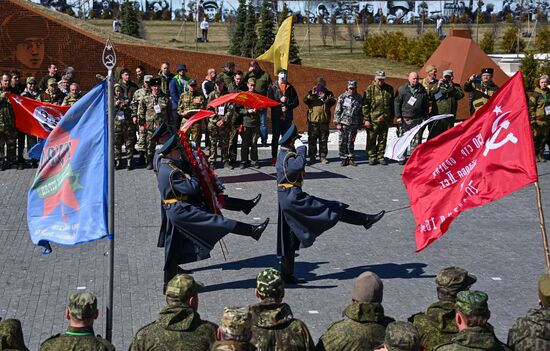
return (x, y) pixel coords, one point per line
(298, 143)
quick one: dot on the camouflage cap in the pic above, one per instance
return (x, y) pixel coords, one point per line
(52, 81)
(352, 84)
(430, 68)
(402, 336)
(472, 302)
(544, 289)
(236, 321)
(368, 288)
(451, 280)
(82, 305)
(31, 80)
(251, 81)
(147, 78)
(270, 283)
(182, 286)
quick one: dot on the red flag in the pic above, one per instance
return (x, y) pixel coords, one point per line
(481, 160)
(246, 99)
(34, 117)
(197, 116)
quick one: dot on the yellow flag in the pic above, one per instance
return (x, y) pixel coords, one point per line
(278, 52)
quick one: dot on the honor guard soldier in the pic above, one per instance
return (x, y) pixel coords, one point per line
(480, 90)
(303, 217)
(192, 231)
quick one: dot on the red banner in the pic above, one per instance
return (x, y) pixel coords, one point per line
(246, 99)
(478, 161)
(34, 117)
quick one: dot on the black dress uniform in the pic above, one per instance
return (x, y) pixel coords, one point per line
(303, 217)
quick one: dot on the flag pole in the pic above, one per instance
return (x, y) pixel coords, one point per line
(542, 227)
(109, 61)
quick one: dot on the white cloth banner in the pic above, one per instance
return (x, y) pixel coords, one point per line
(395, 148)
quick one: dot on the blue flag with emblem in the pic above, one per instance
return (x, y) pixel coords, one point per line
(67, 201)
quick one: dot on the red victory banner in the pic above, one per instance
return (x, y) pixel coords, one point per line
(34, 117)
(489, 156)
(246, 99)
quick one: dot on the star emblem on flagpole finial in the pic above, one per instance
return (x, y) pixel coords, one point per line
(498, 109)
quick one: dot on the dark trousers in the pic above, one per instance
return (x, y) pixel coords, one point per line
(349, 216)
(250, 144)
(317, 132)
(278, 127)
(205, 35)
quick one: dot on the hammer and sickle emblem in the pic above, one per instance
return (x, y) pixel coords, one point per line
(491, 144)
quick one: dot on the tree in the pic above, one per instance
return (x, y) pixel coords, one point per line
(487, 43)
(130, 20)
(542, 43)
(530, 71)
(266, 34)
(236, 40)
(510, 41)
(250, 38)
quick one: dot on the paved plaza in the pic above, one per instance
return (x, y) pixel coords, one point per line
(500, 243)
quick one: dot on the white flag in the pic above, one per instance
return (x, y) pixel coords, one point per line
(395, 148)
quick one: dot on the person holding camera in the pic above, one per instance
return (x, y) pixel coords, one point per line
(319, 101)
(444, 95)
(480, 88)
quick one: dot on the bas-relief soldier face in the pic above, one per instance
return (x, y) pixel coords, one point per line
(30, 52)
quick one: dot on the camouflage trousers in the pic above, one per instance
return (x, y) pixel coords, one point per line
(233, 141)
(31, 141)
(440, 126)
(219, 137)
(405, 127)
(8, 138)
(249, 138)
(141, 144)
(127, 136)
(540, 135)
(346, 141)
(317, 132)
(377, 136)
(194, 133)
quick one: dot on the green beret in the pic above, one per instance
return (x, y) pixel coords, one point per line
(402, 336)
(82, 305)
(270, 283)
(472, 302)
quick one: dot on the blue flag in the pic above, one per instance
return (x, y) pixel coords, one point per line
(67, 202)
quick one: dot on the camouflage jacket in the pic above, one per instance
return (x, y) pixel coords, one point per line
(474, 339)
(11, 335)
(275, 329)
(148, 115)
(445, 98)
(70, 100)
(52, 98)
(224, 112)
(7, 116)
(349, 109)
(531, 332)
(539, 100)
(191, 100)
(81, 339)
(479, 93)
(177, 328)
(263, 81)
(318, 109)
(138, 96)
(378, 101)
(128, 89)
(227, 77)
(123, 115)
(233, 346)
(165, 82)
(437, 325)
(31, 94)
(363, 330)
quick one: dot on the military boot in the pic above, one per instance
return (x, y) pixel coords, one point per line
(149, 163)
